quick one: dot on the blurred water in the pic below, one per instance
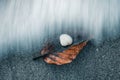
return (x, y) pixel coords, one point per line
(25, 24)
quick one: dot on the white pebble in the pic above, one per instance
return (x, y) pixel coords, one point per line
(65, 40)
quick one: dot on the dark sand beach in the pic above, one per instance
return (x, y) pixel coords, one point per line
(93, 63)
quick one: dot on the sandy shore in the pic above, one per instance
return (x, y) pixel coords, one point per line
(94, 63)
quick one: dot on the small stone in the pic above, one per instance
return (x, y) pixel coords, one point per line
(65, 40)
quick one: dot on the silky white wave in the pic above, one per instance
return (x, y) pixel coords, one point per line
(27, 23)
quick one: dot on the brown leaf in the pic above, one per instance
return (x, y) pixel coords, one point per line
(67, 56)
(47, 49)
(52, 59)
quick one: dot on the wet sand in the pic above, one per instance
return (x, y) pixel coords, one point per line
(93, 63)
